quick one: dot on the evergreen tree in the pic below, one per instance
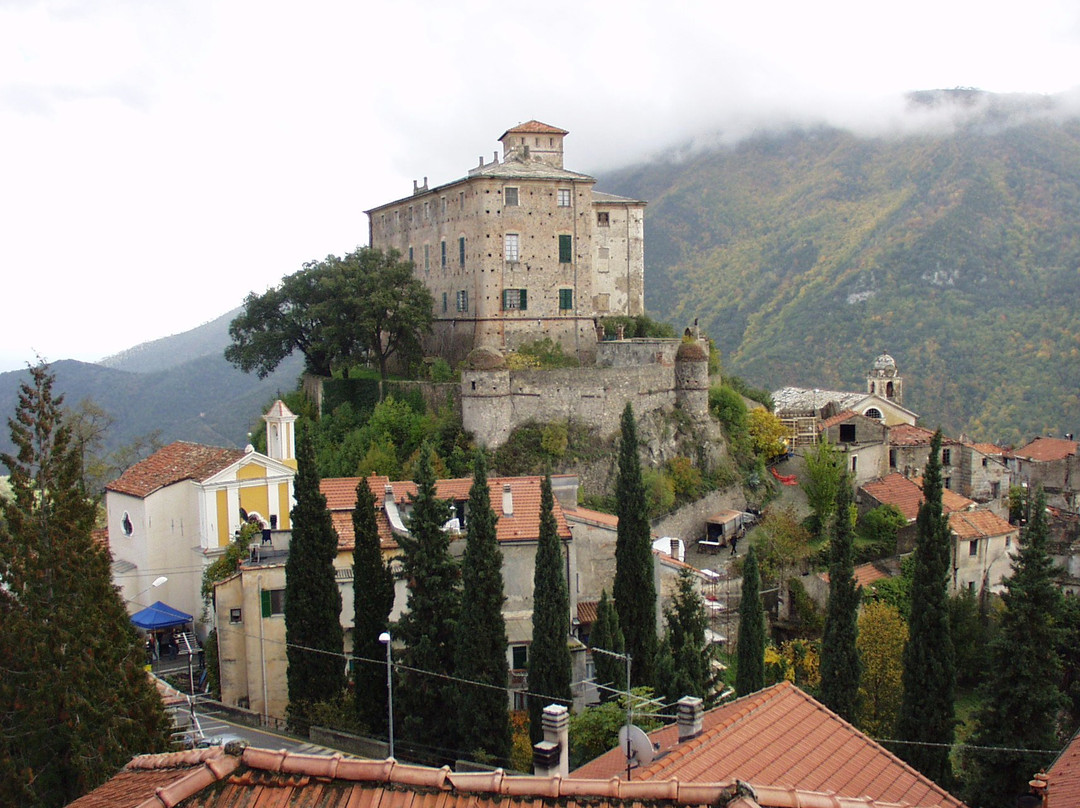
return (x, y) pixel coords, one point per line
(606, 634)
(634, 589)
(1022, 701)
(427, 628)
(75, 702)
(689, 654)
(926, 718)
(482, 712)
(549, 654)
(841, 668)
(373, 599)
(313, 634)
(750, 675)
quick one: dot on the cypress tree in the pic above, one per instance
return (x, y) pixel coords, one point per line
(373, 599)
(685, 643)
(606, 634)
(841, 668)
(750, 676)
(634, 589)
(1022, 701)
(313, 635)
(926, 718)
(482, 711)
(427, 628)
(75, 702)
(549, 657)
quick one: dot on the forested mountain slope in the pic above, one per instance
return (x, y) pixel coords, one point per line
(808, 253)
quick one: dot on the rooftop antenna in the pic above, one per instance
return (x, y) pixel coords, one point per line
(639, 748)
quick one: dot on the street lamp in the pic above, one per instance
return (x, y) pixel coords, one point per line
(384, 638)
(157, 582)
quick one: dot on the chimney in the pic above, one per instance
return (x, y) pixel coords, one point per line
(690, 718)
(508, 500)
(551, 755)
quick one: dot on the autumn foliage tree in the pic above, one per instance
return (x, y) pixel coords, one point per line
(882, 637)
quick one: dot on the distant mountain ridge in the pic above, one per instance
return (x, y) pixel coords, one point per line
(807, 253)
(208, 339)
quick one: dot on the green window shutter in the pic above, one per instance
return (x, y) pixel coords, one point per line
(444, 302)
(566, 299)
(443, 254)
(523, 300)
(461, 250)
(266, 607)
(566, 249)
(506, 298)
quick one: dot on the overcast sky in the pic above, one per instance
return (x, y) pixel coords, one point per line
(161, 160)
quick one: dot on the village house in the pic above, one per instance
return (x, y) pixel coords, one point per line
(176, 511)
(519, 249)
(1053, 463)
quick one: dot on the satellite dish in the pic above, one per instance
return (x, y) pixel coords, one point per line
(639, 748)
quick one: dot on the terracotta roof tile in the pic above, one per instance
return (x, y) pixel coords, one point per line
(225, 778)
(865, 574)
(979, 524)
(839, 418)
(173, 463)
(534, 128)
(586, 611)
(1045, 450)
(595, 517)
(907, 495)
(781, 737)
(1063, 777)
(911, 435)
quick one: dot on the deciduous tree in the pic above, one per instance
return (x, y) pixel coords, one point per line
(428, 626)
(750, 675)
(337, 312)
(549, 654)
(480, 651)
(315, 641)
(823, 473)
(75, 702)
(840, 665)
(926, 719)
(1022, 701)
(373, 599)
(634, 588)
(882, 636)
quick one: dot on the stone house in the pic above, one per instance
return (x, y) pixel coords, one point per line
(905, 495)
(519, 249)
(861, 440)
(176, 511)
(1053, 463)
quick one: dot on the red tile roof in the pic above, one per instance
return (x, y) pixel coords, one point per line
(172, 464)
(534, 128)
(259, 777)
(1044, 450)
(782, 737)
(594, 517)
(979, 524)
(864, 574)
(522, 525)
(911, 435)
(907, 495)
(839, 418)
(1063, 777)
(586, 611)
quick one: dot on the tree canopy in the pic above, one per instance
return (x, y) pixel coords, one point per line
(75, 702)
(339, 312)
(750, 675)
(841, 667)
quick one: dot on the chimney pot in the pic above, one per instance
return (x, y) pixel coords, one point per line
(691, 716)
(555, 748)
(507, 500)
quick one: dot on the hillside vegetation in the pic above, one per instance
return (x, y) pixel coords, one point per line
(806, 254)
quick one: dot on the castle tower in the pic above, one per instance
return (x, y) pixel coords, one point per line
(692, 379)
(884, 380)
(534, 141)
(281, 434)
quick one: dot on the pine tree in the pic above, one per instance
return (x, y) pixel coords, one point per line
(926, 718)
(480, 650)
(428, 626)
(549, 654)
(606, 635)
(75, 701)
(373, 599)
(1022, 700)
(313, 635)
(750, 675)
(634, 589)
(689, 667)
(841, 668)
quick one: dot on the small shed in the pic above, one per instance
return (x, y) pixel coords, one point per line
(722, 527)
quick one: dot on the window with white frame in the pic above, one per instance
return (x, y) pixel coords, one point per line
(515, 299)
(563, 196)
(513, 247)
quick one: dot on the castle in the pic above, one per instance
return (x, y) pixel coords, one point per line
(519, 249)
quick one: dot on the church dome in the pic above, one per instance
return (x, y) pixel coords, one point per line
(884, 365)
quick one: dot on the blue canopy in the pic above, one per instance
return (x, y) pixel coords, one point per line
(160, 615)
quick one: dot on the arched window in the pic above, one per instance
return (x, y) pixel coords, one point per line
(888, 390)
(873, 412)
(873, 388)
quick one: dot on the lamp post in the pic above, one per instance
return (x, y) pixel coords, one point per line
(384, 638)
